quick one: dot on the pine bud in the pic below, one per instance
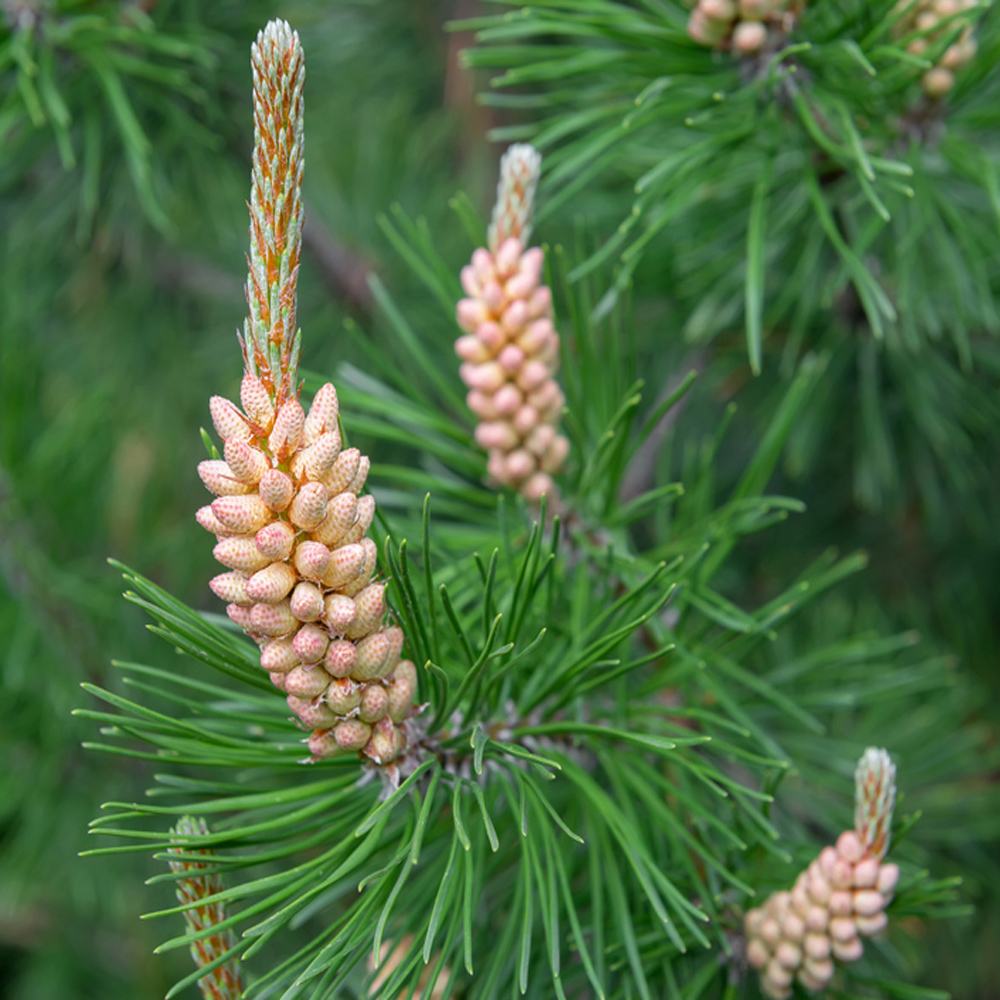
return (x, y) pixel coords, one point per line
(257, 402)
(231, 588)
(306, 602)
(312, 559)
(244, 514)
(247, 463)
(286, 435)
(278, 656)
(309, 506)
(272, 619)
(311, 712)
(195, 889)
(272, 584)
(229, 423)
(352, 734)
(322, 416)
(310, 643)
(219, 479)
(240, 553)
(306, 681)
(275, 540)
(276, 489)
(875, 799)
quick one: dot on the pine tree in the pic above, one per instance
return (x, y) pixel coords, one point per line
(608, 762)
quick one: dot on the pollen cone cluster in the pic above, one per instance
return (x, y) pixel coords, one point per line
(291, 531)
(836, 902)
(745, 26)
(290, 525)
(510, 349)
(224, 982)
(932, 21)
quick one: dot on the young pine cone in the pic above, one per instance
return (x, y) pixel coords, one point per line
(742, 25)
(510, 350)
(291, 530)
(838, 900)
(934, 19)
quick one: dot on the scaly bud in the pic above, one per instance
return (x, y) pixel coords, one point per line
(286, 435)
(270, 339)
(231, 588)
(240, 553)
(275, 540)
(309, 506)
(272, 619)
(272, 584)
(520, 168)
(229, 423)
(312, 559)
(276, 490)
(306, 682)
(312, 713)
(247, 463)
(322, 416)
(310, 643)
(219, 479)
(256, 402)
(243, 515)
(196, 889)
(306, 602)
(875, 798)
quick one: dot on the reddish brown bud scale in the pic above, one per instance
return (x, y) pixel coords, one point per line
(204, 915)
